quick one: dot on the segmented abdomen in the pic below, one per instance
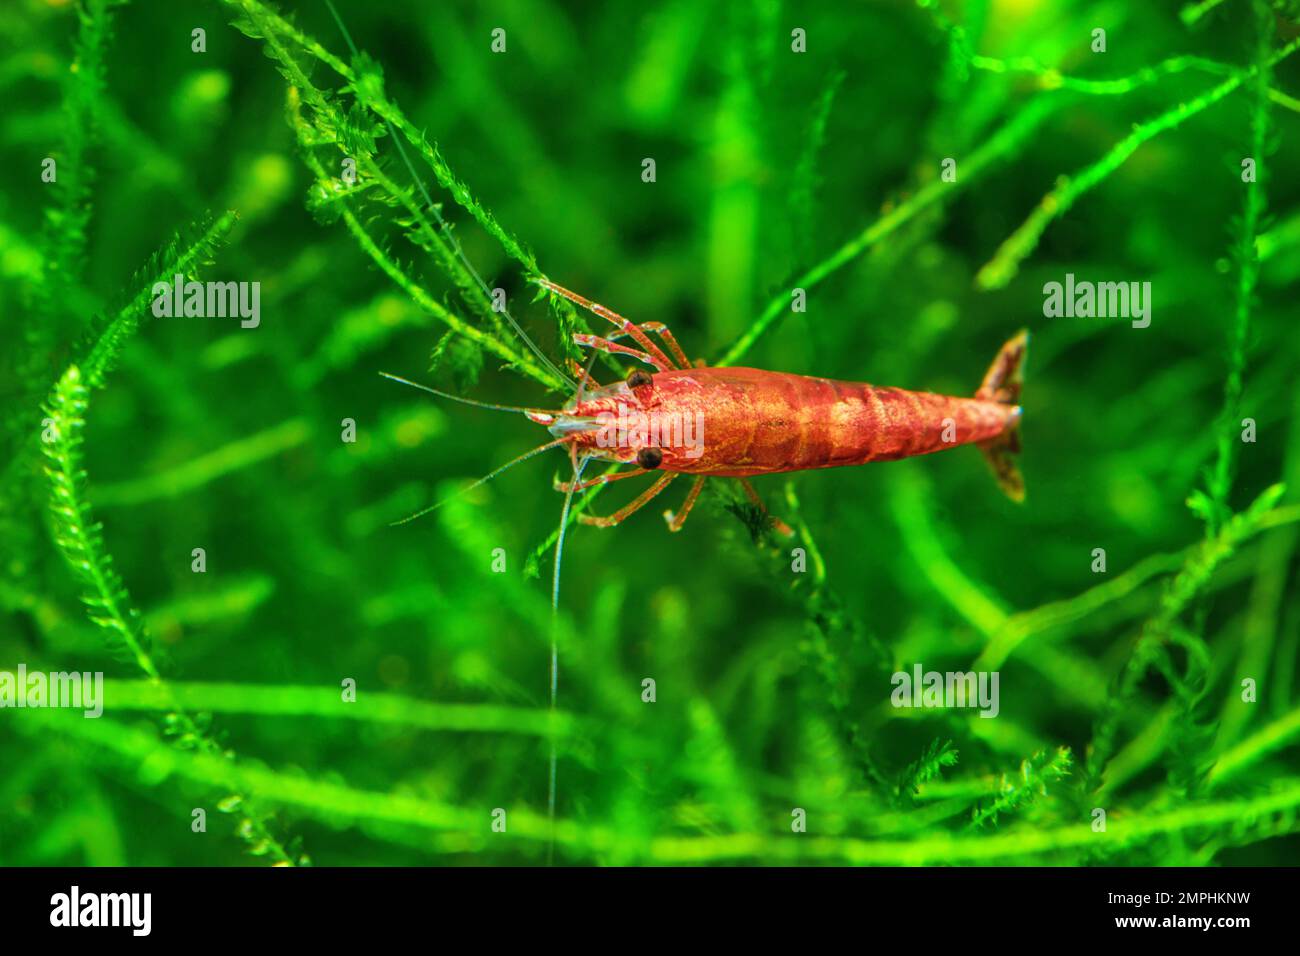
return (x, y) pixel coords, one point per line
(758, 422)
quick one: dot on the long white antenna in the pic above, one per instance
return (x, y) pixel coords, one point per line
(482, 481)
(555, 660)
(469, 401)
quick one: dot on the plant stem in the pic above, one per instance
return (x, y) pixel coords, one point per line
(1004, 265)
(1002, 143)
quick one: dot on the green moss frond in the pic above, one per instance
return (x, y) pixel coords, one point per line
(1030, 783)
(1178, 594)
(78, 535)
(67, 221)
(184, 255)
(938, 755)
(320, 119)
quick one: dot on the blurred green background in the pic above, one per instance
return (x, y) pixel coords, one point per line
(772, 686)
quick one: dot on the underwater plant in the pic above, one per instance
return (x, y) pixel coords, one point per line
(207, 265)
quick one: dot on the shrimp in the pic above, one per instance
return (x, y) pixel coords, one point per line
(686, 419)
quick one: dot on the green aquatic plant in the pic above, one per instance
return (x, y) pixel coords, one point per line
(396, 178)
(78, 536)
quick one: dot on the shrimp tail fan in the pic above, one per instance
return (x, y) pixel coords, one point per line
(1002, 384)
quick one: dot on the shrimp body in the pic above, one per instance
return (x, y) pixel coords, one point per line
(740, 422)
(744, 422)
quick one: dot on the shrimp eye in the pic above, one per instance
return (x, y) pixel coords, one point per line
(639, 377)
(649, 457)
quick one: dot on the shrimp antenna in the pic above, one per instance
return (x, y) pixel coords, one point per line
(442, 223)
(482, 481)
(467, 401)
(578, 466)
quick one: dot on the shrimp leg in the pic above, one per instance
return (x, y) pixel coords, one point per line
(780, 526)
(585, 380)
(567, 486)
(675, 521)
(670, 340)
(613, 348)
(661, 360)
(636, 504)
